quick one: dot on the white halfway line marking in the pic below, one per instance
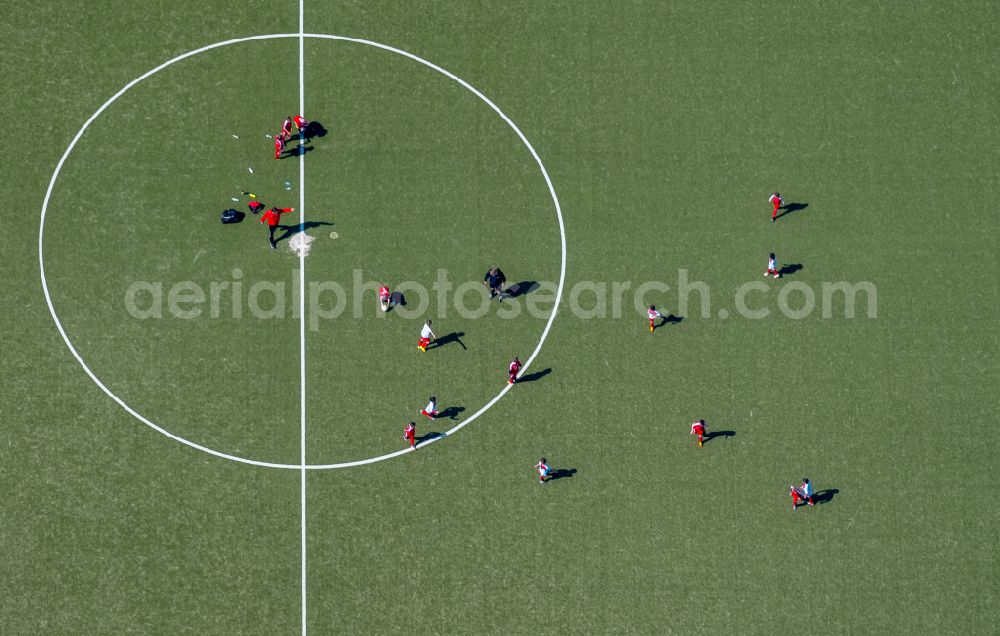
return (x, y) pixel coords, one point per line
(301, 465)
(302, 306)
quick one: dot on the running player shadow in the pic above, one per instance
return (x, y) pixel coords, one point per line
(713, 434)
(428, 436)
(451, 413)
(668, 320)
(532, 377)
(825, 496)
(789, 269)
(791, 207)
(292, 230)
(313, 129)
(454, 336)
(561, 473)
(523, 288)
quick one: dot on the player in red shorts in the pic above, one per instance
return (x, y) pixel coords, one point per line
(653, 315)
(512, 370)
(796, 495)
(410, 435)
(772, 266)
(543, 470)
(384, 298)
(698, 428)
(777, 202)
(286, 128)
(279, 146)
(426, 336)
(431, 409)
(807, 490)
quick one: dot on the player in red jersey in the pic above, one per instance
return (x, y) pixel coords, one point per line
(772, 266)
(543, 470)
(279, 146)
(410, 434)
(796, 495)
(384, 298)
(512, 370)
(431, 409)
(272, 218)
(653, 315)
(698, 428)
(300, 123)
(286, 128)
(777, 202)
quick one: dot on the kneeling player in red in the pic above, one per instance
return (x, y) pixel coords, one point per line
(698, 428)
(384, 298)
(431, 409)
(279, 146)
(410, 434)
(512, 370)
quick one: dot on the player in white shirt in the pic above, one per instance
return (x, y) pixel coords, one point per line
(653, 315)
(543, 470)
(426, 336)
(772, 266)
(431, 409)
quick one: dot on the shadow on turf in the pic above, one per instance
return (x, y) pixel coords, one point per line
(428, 436)
(454, 336)
(789, 269)
(791, 207)
(713, 434)
(669, 319)
(397, 298)
(532, 377)
(561, 473)
(313, 129)
(292, 230)
(451, 412)
(825, 496)
(523, 288)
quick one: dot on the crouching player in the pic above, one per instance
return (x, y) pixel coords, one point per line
(384, 298)
(543, 470)
(431, 409)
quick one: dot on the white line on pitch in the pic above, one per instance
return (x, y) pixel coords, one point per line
(302, 308)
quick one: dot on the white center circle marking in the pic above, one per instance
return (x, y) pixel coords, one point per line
(275, 36)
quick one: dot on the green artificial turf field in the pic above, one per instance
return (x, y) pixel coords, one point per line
(663, 128)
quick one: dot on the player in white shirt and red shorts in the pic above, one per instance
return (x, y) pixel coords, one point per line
(431, 409)
(426, 336)
(772, 266)
(543, 470)
(653, 315)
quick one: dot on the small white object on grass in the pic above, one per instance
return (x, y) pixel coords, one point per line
(234, 198)
(250, 169)
(235, 136)
(334, 235)
(268, 136)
